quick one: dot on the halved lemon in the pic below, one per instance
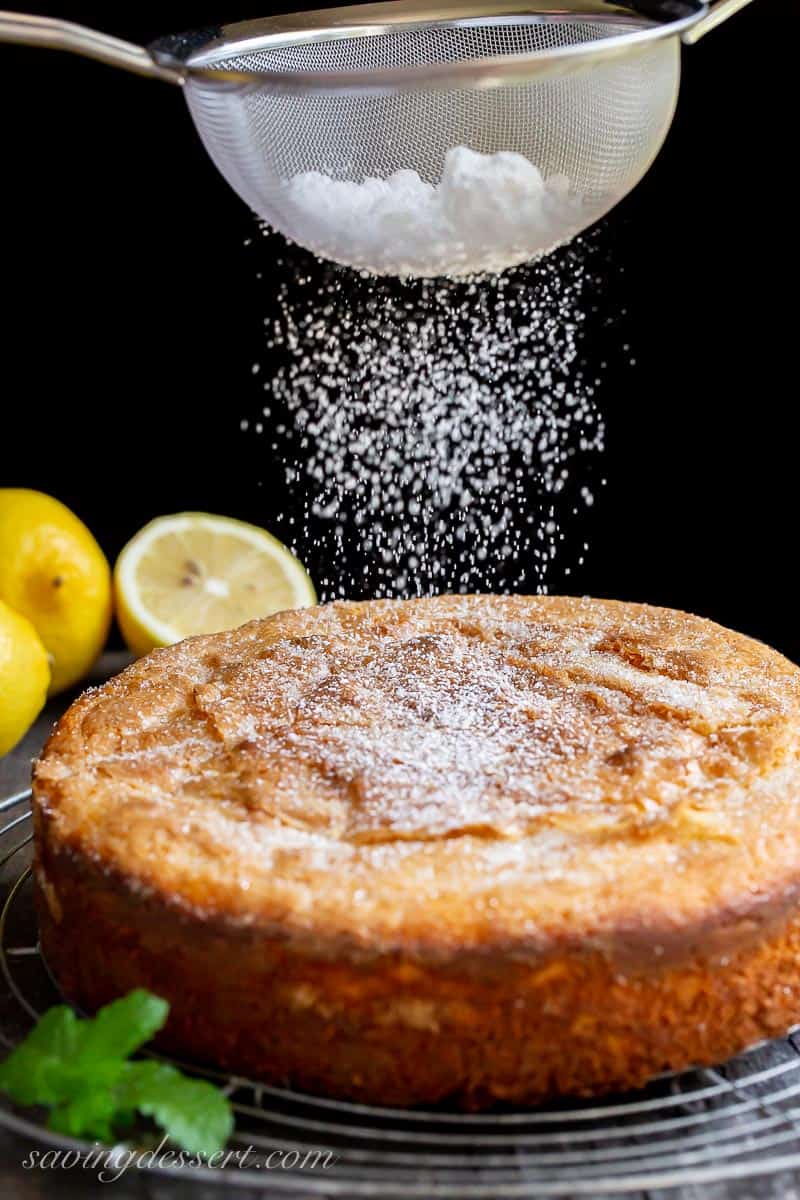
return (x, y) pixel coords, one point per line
(198, 573)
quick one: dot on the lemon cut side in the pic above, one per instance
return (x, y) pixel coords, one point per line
(198, 573)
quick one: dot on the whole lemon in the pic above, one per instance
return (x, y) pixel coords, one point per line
(24, 677)
(53, 572)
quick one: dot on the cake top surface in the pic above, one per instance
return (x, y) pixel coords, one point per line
(444, 774)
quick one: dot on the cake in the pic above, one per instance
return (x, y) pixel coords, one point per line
(470, 850)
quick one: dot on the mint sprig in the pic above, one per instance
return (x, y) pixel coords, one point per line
(80, 1070)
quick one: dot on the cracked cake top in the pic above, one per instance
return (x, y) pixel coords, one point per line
(443, 775)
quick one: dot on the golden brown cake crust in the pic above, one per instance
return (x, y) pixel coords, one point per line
(449, 829)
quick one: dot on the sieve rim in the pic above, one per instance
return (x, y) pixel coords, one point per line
(195, 53)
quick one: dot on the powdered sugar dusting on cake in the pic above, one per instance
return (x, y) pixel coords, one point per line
(515, 765)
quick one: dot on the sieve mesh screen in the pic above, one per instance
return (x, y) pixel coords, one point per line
(599, 126)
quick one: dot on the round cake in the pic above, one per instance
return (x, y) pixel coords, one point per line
(467, 849)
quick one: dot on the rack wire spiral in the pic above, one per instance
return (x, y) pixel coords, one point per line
(699, 1127)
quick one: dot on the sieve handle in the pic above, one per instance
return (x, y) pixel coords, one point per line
(720, 11)
(27, 30)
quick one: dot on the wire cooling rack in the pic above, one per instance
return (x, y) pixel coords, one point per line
(739, 1120)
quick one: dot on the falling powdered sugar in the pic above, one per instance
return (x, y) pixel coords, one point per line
(434, 436)
(487, 213)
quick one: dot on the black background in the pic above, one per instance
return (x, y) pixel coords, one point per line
(131, 319)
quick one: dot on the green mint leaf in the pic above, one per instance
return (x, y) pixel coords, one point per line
(90, 1114)
(32, 1072)
(56, 1032)
(79, 1069)
(192, 1112)
(62, 1054)
(121, 1027)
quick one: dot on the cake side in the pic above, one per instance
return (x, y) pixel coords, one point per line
(392, 1029)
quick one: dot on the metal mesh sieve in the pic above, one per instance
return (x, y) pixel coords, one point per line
(599, 126)
(313, 115)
